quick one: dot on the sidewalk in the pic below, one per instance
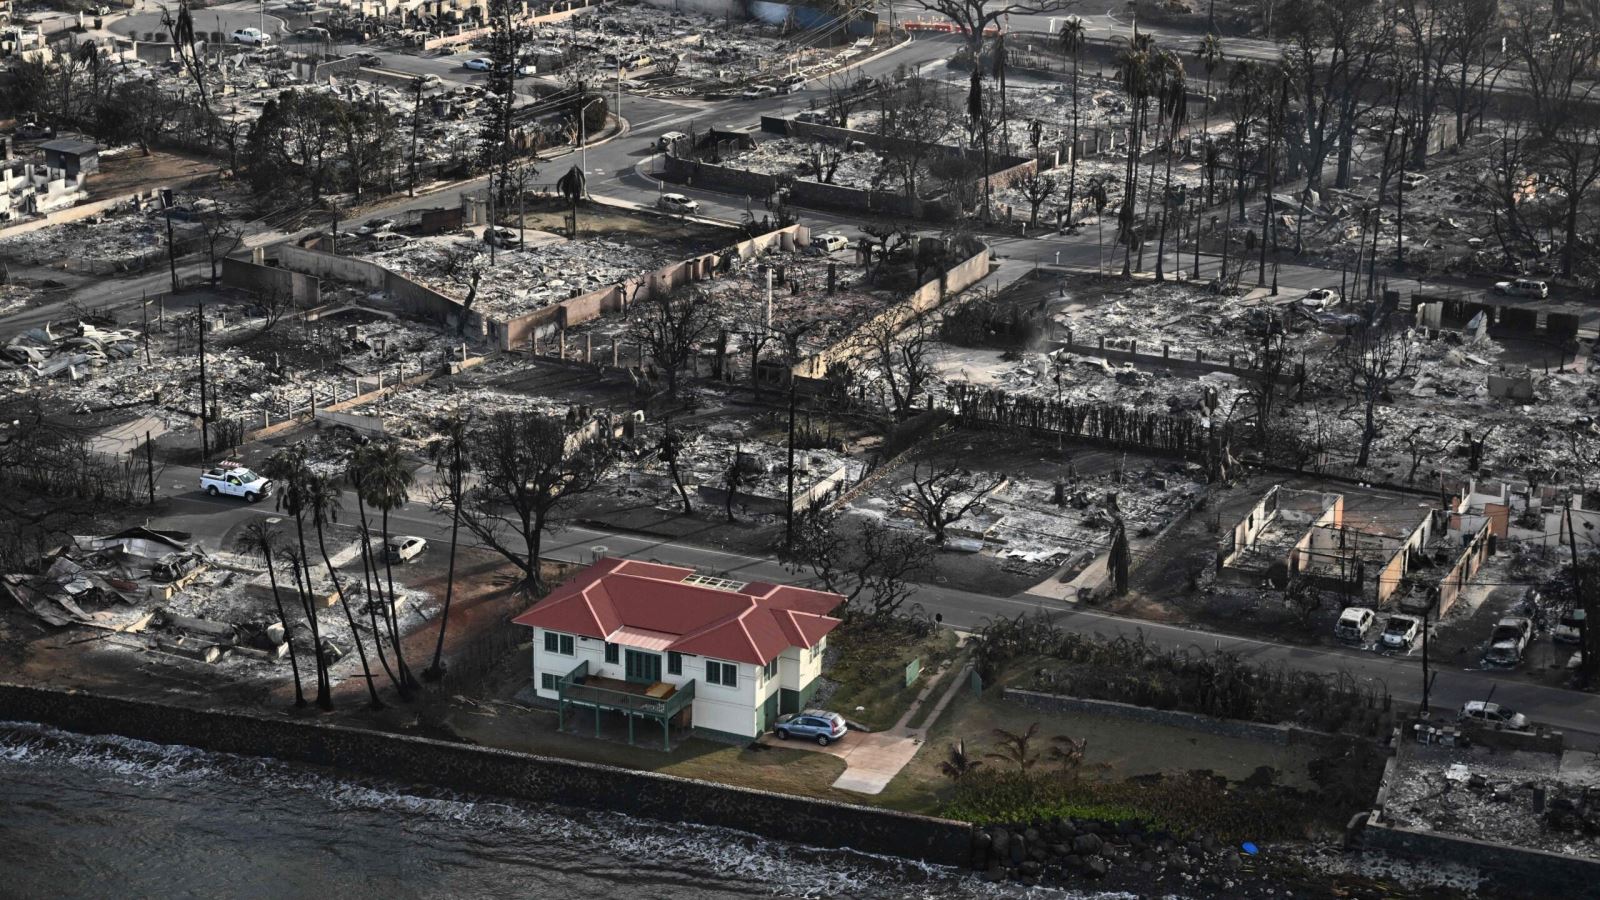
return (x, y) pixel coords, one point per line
(873, 759)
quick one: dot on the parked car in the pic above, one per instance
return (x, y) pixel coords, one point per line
(479, 64)
(1569, 628)
(33, 131)
(313, 33)
(758, 91)
(369, 59)
(831, 241)
(500, 237)
(402, 547)
(670, 140)
(1523, 287)
(235, 481)
(1320, 298)
(815, 116)
(1509, 640)
(253, 36)
(388, 240)
(792, 83)
(526, 70)
(1400, 632)
(1491, 713)
(819, 725)
(1354, 623)
(678, 203)
(374, 226)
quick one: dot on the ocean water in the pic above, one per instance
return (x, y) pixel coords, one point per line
(108, 817)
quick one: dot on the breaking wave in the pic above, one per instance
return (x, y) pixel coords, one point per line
(475, 832)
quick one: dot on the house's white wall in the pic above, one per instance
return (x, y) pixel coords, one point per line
(722, 708)
(559, 665)
(799, 666)
(719, 708)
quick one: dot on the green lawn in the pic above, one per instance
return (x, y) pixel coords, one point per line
(871, 671)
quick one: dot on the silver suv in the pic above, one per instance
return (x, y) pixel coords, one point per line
(822, 726)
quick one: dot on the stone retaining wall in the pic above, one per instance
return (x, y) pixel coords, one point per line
(1285, 735)
(500, 772)
(1520, 870)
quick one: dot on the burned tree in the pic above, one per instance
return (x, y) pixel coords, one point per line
(871, 564)
(972, 18)
(670, 326)
(670, 450)
(464, 267)
(529, 467)
(942, 493)
(1375, 358)
(901, 356)
(1037, 189)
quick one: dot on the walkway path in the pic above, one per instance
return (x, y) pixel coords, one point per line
(873, 759)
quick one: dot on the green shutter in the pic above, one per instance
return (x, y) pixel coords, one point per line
(674, 663)
(566, 644)
(551, 642)
(612, 651)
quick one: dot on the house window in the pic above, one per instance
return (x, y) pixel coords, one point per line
(613, 652)
(725, 674)
(770, 671)
(547, 681)
(674, 663)
(558, 643)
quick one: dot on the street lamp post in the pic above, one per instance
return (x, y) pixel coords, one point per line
(583, 138)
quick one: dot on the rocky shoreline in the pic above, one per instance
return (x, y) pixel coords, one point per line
(1128, 857)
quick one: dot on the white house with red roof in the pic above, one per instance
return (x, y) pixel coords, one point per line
(664, 646)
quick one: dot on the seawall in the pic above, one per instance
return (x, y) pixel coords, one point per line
(505, 773)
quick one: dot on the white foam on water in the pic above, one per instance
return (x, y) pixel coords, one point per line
(781, 868)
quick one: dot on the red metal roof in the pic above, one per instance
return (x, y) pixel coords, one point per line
(752, 625)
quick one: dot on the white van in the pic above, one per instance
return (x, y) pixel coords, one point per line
(388, 240)
(670, 140)
(831, 241)
(1354, 623)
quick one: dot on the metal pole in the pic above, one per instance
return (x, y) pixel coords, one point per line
(788, 517)
(205, 432)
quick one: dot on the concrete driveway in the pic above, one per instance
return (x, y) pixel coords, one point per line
(871, 760)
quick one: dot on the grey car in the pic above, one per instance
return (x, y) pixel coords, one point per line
(819, 725)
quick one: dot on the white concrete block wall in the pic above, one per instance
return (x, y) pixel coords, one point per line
(715, 706)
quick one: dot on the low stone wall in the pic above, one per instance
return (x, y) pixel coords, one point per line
(475, 769)
(1197, 365)
(932, 294)
(1520, 870)
(1284, 735)
(304, 291)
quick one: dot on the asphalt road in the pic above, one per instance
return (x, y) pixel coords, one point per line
(214, 521)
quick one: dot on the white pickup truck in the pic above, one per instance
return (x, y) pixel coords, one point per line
(235, 481)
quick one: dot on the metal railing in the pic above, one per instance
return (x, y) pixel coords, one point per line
(572, 689)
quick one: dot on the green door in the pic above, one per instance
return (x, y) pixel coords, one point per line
(643, 668)
(768, 713)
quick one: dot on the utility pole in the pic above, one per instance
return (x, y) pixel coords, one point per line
(493, 236)
(144, 310)
(150, 466)
(205, 431)
(172, 258)
(416, 123)
(788, 518)
(1427, 682)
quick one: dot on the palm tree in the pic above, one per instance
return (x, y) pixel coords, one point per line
(322, 507)
(1133, 68)
(1016, 748)
(356, 474)
(265, 542)
(1209, 53)
(1068, 753)
(1174, 107)
(1072, 37)
(388, 488)
(1000, 76)
(958, 763)
(447, 454)
(287, 467)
